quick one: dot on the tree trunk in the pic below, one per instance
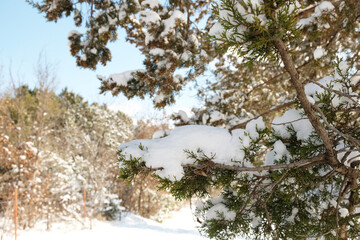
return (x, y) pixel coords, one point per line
(343, 232)
(140, 196)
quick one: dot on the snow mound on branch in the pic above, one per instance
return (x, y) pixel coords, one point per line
(216, 30)
(121, 79)
(292, 119)
(252, 127)
(219, 210)
(157, 52)
(343, 212)
(319, 53)
(168, 152)
(277, 153)
(148, 16)
(151, 3)
(172, 21)
(314, 89)
(323, 7)
(183, 115)
(73, 33)
(160, 134)
(216, 116)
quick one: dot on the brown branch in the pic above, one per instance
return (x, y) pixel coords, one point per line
(320, 159)
(275, 109)
(337, 92)
(267, 217)
(305, 13)
(288, 122)
(273, 79)
(310, 113)
(323, 178)
(347, 153)
(251, 195)
(340, 197)
(275, 185)
(345, 136)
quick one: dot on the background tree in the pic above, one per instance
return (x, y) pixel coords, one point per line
(51, 146)
(292, 63)
(141, 195)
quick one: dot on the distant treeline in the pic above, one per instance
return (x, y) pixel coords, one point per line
(53, 145)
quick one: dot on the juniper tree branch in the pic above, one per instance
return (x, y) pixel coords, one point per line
(323, 178)
(271, 193)
(273, 79)
(337, 92)
(310, 113)
(320, 159)
(340, 196)
(317, 159)
(349, 138)
(267, 217)
(251, 195)
(275, 109)
(275, 185)
(347, 153)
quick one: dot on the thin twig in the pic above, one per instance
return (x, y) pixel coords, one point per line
(274, 109)
(337, 92)
(345, 136)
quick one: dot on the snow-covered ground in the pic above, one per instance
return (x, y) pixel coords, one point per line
(179, 227)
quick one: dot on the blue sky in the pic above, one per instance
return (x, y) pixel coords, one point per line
(26, 34)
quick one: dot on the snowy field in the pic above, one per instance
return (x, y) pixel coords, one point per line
(180, 226)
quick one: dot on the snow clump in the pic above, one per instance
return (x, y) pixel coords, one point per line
(121, 79)
(319, 53)
(168, 152)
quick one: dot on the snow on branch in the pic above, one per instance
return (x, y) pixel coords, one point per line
(171, 153)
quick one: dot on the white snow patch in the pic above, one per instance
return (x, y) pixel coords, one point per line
(216, 30)
(103, 29)
(73, 33)
(216, 116)
(291, 218)
(151, 3)
(323, 7)
(220, 211)
(183, 115)
(180, 226)
(343, 212)
(277, 153)
(168, 152)
(160, 133)
(148, 16)
(157, 52)
(292, 118)
(253, 126)
(319, 53)
(171, 23)
(121, 79)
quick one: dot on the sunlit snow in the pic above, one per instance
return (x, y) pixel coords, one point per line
(179, 227)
